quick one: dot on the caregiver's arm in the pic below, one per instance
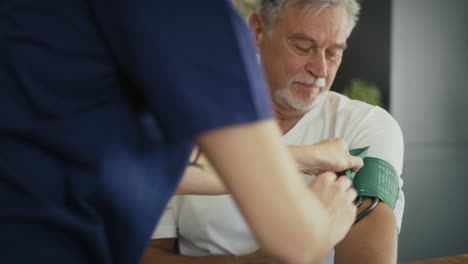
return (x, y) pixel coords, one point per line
(326, 155)
(200, 181)
(257, 169)
(162, 250)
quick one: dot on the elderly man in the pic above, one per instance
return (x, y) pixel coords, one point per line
(300, 44)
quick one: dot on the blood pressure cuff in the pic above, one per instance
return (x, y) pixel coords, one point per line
(377, 178)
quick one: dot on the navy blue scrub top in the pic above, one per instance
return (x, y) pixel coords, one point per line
(99, 103)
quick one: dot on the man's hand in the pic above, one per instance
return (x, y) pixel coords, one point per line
(326, 155)
(337, 196)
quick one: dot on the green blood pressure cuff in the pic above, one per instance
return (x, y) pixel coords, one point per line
(377, 178)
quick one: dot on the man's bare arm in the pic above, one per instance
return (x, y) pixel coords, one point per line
(371, 240)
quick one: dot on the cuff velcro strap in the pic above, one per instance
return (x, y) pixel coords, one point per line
(377, 178)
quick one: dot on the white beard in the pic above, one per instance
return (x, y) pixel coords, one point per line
(285, 97)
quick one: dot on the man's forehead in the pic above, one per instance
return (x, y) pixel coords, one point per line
(299, 36)
(303, 20)
(308, 10)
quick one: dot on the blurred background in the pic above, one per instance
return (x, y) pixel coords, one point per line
(410, 57)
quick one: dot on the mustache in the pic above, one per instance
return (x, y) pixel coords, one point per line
(312, 81)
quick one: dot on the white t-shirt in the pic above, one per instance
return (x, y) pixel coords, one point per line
(213, 225)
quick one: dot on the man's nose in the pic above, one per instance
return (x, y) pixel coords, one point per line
(317, 65)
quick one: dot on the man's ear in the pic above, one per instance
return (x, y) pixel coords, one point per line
(257, 26)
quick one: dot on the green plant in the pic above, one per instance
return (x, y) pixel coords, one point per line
(364, 91)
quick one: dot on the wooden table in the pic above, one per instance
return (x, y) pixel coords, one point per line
(460, 259)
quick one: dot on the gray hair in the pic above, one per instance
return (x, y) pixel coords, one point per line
(271, 9)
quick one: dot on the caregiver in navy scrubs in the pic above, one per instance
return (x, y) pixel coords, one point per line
(100, 102)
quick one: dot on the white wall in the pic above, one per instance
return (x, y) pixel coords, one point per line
(429, 98)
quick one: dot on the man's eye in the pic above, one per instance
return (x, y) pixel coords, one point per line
(302, 48)
(334, 55)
